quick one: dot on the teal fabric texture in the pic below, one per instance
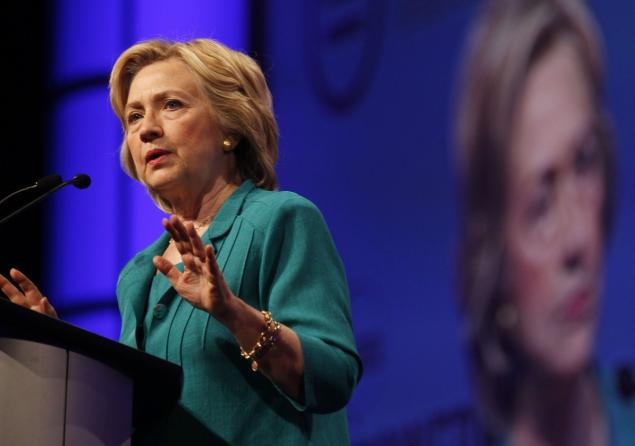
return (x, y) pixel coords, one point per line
(277, 254)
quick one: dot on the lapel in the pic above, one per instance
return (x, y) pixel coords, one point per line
(136, 278)
(228, 213)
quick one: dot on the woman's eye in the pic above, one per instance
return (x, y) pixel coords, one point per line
(587, 157)
(132, 117)
(173, 104)
(540, 200)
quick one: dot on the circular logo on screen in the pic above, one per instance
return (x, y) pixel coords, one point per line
(343, 40)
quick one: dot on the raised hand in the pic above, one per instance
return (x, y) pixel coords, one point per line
(201, 283)
(28, 295)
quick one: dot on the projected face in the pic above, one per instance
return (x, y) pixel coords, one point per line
(553, 224)
(171, 132)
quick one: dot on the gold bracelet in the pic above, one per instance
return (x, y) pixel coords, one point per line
(266, 340)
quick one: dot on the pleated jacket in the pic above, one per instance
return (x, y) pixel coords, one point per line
(276, 254)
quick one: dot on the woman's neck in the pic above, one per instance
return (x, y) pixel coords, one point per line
(201, 210)
(559, 411)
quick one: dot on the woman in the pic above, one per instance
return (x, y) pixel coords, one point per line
(245, 290)
(537, 167)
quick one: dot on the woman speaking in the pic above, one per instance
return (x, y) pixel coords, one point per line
(245, 290)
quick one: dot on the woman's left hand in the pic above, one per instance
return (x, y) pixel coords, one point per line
(201, 283)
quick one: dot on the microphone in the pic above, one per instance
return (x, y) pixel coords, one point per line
(43, 183)
(80, 181)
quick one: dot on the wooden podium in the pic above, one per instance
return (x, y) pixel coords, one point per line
(62, 385)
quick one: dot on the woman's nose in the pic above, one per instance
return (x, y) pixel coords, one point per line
(573, 259)
(579, 226)
(150, 128)
(576, 241)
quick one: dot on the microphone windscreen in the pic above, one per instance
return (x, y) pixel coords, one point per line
(81, 181)
(48, 182)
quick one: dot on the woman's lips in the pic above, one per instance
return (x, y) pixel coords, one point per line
(579, 305)
(156, 156)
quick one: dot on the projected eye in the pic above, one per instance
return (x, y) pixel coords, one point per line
(587, 157)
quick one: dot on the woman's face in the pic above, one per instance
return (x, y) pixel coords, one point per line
(172, 133)
(553, 224)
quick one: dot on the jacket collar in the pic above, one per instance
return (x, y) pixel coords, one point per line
(219, 227)
(229, 211)
(136, 278)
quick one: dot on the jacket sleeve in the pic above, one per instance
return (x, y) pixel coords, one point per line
(303, 284)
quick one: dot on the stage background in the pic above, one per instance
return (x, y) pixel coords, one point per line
(364, 95)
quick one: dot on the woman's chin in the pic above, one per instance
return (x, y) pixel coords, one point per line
(162, 182)
(572, 356)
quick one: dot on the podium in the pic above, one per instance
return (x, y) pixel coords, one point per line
(62, 385)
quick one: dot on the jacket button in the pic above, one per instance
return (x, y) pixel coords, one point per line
(159, 311)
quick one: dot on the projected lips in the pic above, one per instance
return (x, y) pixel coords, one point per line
(343, 42)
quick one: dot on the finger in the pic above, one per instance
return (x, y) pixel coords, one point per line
(31, 291)
(217, 275)
(174, 233)
(46, 308)
(189, 261)
(180, 227)
(11, 291)
(170, 228)
(212, 263)
(198, 249)
(179, 234)
(167, 268)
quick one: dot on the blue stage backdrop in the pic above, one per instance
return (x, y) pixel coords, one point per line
(364, 94)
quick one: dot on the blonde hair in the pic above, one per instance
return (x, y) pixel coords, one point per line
(507, 40)
(237, 92)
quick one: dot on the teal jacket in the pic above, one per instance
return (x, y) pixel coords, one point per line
(276, 253)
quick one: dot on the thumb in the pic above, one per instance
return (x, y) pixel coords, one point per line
(167, 268)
